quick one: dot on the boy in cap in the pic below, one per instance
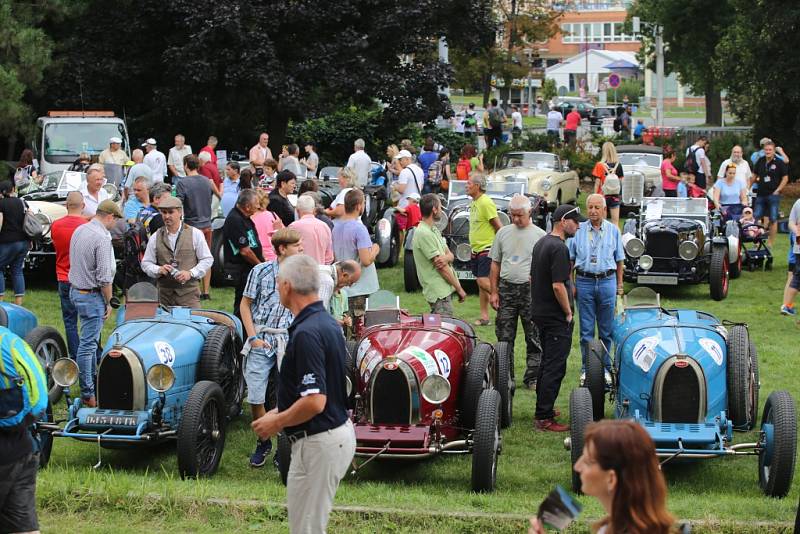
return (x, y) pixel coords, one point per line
(411, 211)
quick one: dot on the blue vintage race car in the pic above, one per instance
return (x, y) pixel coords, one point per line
(165, 374)
(690, 381)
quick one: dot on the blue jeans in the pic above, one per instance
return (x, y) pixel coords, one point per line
(90, 307)
(13, 255)
(596, 301)
(70, 316)
(767, 206)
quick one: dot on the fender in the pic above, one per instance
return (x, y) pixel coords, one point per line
(384, 229)
(217, 223)
(409, 244)
(733, 248)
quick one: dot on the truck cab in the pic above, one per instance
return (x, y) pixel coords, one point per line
(61, 136)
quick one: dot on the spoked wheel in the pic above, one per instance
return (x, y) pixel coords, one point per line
(504, 381)
(201, 432)
(48, 345)
(221, 362)
(486, 442)
(718, 273)
(479, 376)
(580, 415)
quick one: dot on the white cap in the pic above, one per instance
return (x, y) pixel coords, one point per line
(115, 140)
(403, 154)
(150, 141)
(413, 196)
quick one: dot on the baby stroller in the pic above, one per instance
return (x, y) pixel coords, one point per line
(757, 254)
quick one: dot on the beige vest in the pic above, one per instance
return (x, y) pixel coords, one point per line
(184, 254)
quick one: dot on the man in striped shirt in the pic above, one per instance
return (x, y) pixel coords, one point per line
(91, 272)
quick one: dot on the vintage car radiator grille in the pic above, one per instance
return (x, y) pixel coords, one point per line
(391, 398)
(680, 392)
(662, 245)
(115, 389)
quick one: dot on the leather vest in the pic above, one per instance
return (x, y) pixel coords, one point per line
(184, 255)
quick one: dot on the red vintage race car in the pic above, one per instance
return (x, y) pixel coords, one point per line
(425, 385)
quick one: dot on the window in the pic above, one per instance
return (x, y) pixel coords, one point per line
(597, 32)
(618, 31)
(607, 35)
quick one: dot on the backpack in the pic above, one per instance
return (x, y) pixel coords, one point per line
(617, 124)
(470, 121)
(463, 169)
(134, 243)
(22, 177)
(495, 118)
(691, 160)
(611, 183)
(23, 385)
(435, 173)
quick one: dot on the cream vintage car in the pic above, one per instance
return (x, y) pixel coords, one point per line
(546, 175)
(641, 165)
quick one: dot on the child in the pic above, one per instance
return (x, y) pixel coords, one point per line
(270, 172)
(637, 132)
(411, 211)
(695, 191)
(683, 192)
(748, 223)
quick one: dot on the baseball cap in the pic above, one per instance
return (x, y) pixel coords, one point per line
(403, 154)
(764, 141)
(568, 211)
(110, 207)
(413, 196)
(115, 140)
(747, 209)
(169, 202)
(150, 141)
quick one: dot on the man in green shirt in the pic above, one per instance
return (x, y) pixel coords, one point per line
(483, 225)
(434, 260)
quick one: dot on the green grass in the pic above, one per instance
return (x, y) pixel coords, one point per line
(139, 489)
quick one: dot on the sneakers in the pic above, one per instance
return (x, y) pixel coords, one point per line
(788, 310)
(549, 425)
(582, 379)
(259, 457)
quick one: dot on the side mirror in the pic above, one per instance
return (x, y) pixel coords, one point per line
(565, 164)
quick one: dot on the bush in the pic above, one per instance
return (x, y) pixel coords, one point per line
(334, 133)
(632, 88)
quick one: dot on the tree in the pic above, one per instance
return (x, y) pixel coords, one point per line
(234, 68)
(692, 30)
(758, 69)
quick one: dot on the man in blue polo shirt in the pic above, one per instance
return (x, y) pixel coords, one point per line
(597, 255)
(312, 400)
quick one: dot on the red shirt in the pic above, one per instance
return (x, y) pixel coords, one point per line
(414, 215)
(573, 120)
(210, 151)
(61, 232)
(210, 171)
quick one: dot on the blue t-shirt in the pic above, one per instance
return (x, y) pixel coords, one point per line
(683, 192)
(348, 237)
(729, 194)
(132, 207)
(425, 160)
(230, 192)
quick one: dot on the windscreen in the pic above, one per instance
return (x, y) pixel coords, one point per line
(640, 160)
(64, 141)
(530, 160)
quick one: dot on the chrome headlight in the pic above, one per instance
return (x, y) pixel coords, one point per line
(463, 252)
(348, 385)
(45, 221)
(65, 372)
(160, 377)
(634, 247)
(505, 220)
(688, 250)
(546, 185)
(435, 389)
(646, 262)
(441, 222)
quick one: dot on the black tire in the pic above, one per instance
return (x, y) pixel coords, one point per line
(486, 442)
(45, 438)
(504, 381)
(775, 473)
(741, 410)
(284, 456)
(49, 346)
(394, 248)
(218, 276)
(410, 279)
(350, 369)
(580, 415)
(735, 269)
(221, 362)
(478, 377)
(718, 272)
(595, 378)
(756, 378)
(201, 431)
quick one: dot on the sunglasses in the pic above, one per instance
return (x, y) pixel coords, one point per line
(570, 212)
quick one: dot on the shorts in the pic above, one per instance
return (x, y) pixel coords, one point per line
(207, 235)
(791, 267)
(257, 366)
(700, 180)
(402, 220)
(612, 201)
(481, 263)
(794, 283)
(487, 132)
(767, 206)
(18, 494)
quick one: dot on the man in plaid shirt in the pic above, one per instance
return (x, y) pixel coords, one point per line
(265, 320)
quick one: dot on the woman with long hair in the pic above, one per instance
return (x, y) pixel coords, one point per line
(608, 164)
(619, 468)
(27, 171)
(14, 242)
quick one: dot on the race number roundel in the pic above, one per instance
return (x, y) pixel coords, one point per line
(166, 354)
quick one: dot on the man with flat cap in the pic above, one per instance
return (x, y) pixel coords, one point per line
(177, 256)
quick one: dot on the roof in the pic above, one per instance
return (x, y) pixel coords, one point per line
(597, 60)
(621, 64)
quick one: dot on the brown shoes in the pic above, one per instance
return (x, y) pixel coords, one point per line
(549, 425)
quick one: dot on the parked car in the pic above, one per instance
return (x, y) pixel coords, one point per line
(641, 165)
(597, 115)
(164, 375)
(422, 386)
(567, 104)
(690, 381)
(546, 175)
(680, 241)
(454, 225)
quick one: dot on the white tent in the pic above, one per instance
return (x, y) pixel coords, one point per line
(592, 63)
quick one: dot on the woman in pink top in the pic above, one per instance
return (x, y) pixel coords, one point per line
(669, 174)
(266, 223)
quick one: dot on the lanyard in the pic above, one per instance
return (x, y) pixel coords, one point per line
(180, 231)
(592, 245)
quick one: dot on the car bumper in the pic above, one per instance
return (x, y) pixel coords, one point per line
(401, 442)
(667, 271)
(109, 426)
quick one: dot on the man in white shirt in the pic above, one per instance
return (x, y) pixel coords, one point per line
(703, 172)
(554, 122)
(360, 162)
(516, 122)
(92, 189)
(176, 155)
(743, 172)
(411, 178)
(155, 160)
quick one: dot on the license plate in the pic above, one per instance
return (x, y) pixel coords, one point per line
(657, 280)
(111, 420)
(465, 275)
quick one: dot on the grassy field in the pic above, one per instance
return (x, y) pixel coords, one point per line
(136, 490)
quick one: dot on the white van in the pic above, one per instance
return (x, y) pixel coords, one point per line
(61, 136)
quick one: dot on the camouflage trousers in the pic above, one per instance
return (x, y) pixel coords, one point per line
(515, 303)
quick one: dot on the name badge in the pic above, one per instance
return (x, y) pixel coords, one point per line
(593, 259)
